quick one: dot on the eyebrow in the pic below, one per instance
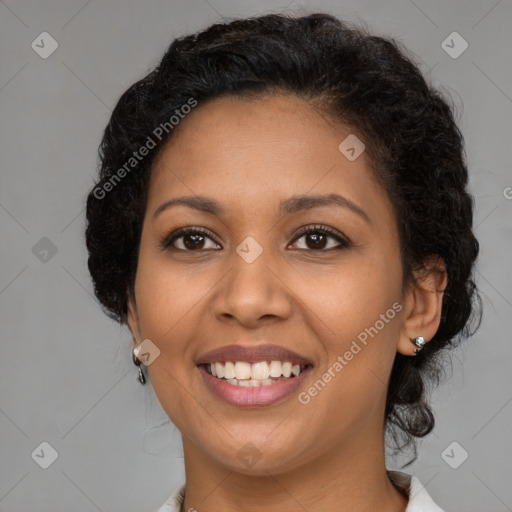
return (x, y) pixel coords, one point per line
(289, 206)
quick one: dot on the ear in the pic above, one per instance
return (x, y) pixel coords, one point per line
(132, 319)
(423, 305)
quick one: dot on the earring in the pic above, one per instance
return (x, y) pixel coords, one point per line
(419, 343)
(136, 362)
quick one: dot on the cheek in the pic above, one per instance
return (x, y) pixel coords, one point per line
(168, 299)
(168, 294)
(166, 302)
(358, 312)
(347, 298)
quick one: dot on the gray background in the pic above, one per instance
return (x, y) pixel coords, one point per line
(66, 375)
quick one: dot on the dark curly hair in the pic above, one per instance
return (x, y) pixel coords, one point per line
(366, 82)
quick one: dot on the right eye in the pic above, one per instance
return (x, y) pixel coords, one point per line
(189, 240)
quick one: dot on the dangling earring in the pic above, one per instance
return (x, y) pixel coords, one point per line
(419, 343)
(136, 362)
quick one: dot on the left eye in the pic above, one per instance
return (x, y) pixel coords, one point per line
(318, 239)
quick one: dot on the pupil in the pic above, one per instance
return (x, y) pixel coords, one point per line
(317, 238)
(194, 244)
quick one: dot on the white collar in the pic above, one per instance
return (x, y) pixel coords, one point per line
(419, 499)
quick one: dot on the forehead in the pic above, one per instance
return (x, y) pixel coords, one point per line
(252, 151)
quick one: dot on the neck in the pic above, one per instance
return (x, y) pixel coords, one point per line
(348, 477)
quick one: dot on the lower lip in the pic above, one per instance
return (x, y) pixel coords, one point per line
(258, 396)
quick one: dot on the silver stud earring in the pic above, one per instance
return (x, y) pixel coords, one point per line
(419, 343)
(136, 362)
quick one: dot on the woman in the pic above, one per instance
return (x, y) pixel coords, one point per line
(281, 218)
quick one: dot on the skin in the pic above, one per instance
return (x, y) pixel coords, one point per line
(249, 155)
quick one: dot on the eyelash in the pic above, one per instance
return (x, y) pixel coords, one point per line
(344, 243)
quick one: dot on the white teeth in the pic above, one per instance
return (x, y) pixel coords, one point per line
(260, 371)
(275, 368)
(219, 370)
(245, 374)
(242, 370)
(229, 370)
(250, 382)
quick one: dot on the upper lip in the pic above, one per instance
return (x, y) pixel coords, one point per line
(252, 354)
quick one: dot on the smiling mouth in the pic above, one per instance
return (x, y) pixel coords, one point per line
(262, 373)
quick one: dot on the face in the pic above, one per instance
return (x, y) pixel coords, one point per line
(322, 279)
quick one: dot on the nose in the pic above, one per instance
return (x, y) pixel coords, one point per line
(253, 292)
